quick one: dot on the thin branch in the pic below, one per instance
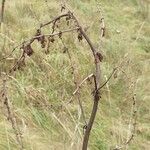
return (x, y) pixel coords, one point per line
(17, 65)
(97, 58)
(26, 46)
(134, 119)
(2, 12)
(83, 81)
(75, 82)
(113, 72)
(22, 57)
(10, 114)
(79, 87)
(102, 28)
(31, 40)
(53, 20)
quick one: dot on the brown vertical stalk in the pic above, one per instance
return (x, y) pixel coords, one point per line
(10, 115)
(97, 84)
(2, 12)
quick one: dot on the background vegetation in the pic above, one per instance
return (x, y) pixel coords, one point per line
(40, 91)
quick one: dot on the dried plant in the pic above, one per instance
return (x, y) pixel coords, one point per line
(10, 114)
(2, 12)
(45, 40)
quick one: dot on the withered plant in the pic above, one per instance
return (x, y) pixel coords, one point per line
(46, 39)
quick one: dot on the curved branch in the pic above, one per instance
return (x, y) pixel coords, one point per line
(97, 60)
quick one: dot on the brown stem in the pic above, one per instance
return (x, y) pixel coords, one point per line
(11, 116)
(2, 12)
(97, 84)
(53, 20)
(114, 70)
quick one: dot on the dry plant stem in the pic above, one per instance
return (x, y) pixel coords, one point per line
(112, 73)
(134, 118)
(11, 116)
(97, 59)
(54, 20)
(31, 40)
(114, 70)
(79, 86)
(103, 27)
(2, 12)
(83, 81)
(18, 61)
(76, 84)
(97, 84)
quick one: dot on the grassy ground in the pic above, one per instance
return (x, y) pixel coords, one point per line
(39, 92)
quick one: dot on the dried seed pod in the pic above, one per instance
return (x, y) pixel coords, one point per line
(52, 39)
(89, 81)
(99, 56)
(28, 50)
(3, 94)
(63, 7)
(48, 45)
(43, 41)
(14, 69)
(38, 33)
(115, 74)
(21, 63)
(65, 49)
(80, 37)
(56, 25)
(68, 17)
(60, 34)
(68, 22)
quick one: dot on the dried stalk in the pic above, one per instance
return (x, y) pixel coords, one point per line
(97, 84)
(76, 83)
(2, 12)
(10, 116)
(27, 49)
(133, 123)
(83, 81)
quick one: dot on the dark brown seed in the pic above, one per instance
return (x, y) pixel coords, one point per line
(99, 55)
(28, 50)
(52, 39)
(80, 37)
(38, 33)
(60, 34)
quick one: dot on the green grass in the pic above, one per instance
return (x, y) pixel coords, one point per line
(39, 91)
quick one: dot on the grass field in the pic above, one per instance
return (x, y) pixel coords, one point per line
(39, 92)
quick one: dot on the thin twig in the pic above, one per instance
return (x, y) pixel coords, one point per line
(76, 83)
(2, 12)
(113, 72)
(133, 121)
(83, 81)
(11, 115)
(31, 40)
(102, 27)
(53, 20)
